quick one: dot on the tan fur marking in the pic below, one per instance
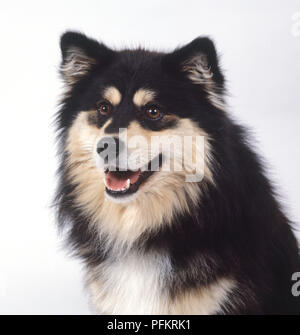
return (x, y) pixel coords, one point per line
(206, 300)
(81, 147)
(113, 95)
(143, 96)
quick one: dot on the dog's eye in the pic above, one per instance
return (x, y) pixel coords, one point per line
(153, 113)
(104, 108)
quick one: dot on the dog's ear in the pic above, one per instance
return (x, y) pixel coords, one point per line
(80, 55)
(197, 60)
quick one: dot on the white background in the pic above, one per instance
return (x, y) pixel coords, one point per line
(260, 47)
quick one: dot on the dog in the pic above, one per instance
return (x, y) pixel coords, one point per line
(160, 234)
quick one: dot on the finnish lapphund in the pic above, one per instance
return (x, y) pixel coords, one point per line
(193, 227)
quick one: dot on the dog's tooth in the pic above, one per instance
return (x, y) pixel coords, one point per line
(127, 184)
(104, 181)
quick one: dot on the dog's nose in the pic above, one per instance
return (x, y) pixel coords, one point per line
(101, 147)
(109, 147)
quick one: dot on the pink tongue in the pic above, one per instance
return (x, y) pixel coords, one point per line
(114, 183)
(116, 180)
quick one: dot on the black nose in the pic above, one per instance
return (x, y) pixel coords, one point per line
(100, 149)
(109, 147)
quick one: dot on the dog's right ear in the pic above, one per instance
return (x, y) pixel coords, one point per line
(80, 55)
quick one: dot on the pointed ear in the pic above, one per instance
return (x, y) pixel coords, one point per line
(198, 61)
(80, 55)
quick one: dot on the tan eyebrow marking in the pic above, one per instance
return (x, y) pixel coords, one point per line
(113, 95)
(143, 96)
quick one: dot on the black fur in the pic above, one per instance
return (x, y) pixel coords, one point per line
(238, 227)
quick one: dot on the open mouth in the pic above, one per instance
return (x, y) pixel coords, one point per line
(119, 183)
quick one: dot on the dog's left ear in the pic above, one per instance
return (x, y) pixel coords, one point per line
(197, 60)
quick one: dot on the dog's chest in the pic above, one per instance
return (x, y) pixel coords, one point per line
(138, 284)
(132, 285)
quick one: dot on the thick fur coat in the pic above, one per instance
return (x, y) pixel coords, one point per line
(221, 245)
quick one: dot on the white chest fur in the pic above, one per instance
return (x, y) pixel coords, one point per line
(135, 285)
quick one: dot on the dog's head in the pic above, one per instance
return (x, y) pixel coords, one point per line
(136, 130)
